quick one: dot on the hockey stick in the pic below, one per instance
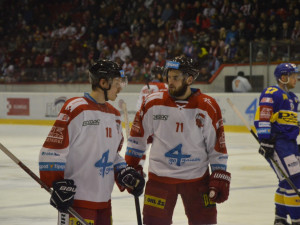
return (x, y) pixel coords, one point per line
(38, 180)
(123, 107)
(255, 136)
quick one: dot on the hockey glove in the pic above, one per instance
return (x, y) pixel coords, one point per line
(140, 170)
(63, 193)
(132, 180)
(266, 148)
(219, 183)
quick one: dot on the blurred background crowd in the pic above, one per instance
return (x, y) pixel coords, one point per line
(56, 41)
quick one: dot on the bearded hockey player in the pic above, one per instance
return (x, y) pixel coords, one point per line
(277, 129)
(80, 157)
(188, 141)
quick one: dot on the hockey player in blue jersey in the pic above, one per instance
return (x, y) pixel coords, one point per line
(277, 129)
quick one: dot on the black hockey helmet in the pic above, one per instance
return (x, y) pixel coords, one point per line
(157, 73)
(187, 65)
(106, 69)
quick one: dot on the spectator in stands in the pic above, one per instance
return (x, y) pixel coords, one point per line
(231, 51)
(231, 34)
(241, 83)
(124, 51)
(296, 31)
(204, 75)
(167, 13)
(128, 68)
(148, 64)
(285, 32)
(189, 50)
(77, 23)
(138, 52)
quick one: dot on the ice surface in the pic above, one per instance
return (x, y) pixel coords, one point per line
(23, 202)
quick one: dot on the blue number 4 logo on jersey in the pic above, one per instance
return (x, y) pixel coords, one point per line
(176, 155)
(103, 164)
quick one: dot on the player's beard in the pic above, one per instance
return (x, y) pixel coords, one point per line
(180, 91)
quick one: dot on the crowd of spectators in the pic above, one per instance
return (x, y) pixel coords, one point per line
(57, 40)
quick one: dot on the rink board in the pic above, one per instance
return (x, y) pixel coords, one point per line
(43, 108)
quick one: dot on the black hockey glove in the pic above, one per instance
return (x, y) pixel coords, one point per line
(63, 193)
(266, 148)
(132, 180)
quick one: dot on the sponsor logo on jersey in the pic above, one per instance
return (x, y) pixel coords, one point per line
(266, 100)
(63, 117)
(160, 117)
(91, 122)
(208, 101)
(176, 157)
(264, 124)
(284, 96)
(104, 166)
(287, 117)
(134, 152)
(133, 141)
(263, 131)
(155, 201)
(52, 166)
(265, 113)
(56, 135)
(50, 153)
(200, 118)
(207, 202)
(218, 166)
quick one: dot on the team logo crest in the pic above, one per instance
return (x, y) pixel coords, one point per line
(200, 120)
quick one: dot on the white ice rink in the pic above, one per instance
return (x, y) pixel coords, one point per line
(23, 202)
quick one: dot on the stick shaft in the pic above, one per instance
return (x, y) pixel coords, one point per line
(126, 121)
(37, 179)
(127, 129)
(255, 136)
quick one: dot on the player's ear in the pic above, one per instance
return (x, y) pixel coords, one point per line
(190, 80)
(284, 78)
(103, 83)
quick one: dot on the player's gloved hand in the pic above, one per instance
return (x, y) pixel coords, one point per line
(63, 193)
(219, 183)
(140, 170)
(132, 180)
(266, 148)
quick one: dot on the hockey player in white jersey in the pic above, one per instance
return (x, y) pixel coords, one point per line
(188, 156)
(80, 157)
(154, 83)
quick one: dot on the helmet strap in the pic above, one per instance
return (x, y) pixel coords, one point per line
(105, 90)
(285, 83)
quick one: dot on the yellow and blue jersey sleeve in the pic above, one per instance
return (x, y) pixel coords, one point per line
(277, 114)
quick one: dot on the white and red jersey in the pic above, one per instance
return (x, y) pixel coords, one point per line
(188, 136)
(83, 145)
(147, 90)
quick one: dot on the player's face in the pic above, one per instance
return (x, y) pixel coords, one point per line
(177, 83)
(116, 87)
(292, 81)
